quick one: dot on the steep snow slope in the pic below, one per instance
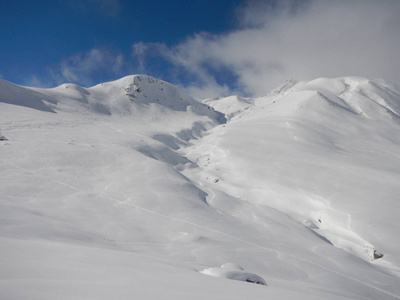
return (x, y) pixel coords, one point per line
(326, 153)
(133, 189)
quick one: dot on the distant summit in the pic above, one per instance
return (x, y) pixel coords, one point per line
(372, 98)
(130, 95)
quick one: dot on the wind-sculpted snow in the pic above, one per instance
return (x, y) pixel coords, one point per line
(125, 189)
(235, 272)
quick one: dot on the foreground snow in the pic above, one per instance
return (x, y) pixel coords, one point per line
(133, 189)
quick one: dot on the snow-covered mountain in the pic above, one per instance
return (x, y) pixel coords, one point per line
(134, 189)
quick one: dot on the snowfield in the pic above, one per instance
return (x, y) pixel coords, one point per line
(133, 189)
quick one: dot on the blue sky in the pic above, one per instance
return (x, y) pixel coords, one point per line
(36, 36)
(208, 47)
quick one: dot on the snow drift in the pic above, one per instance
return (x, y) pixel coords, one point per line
(235, 272)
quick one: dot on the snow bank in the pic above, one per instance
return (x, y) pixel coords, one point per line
(235, 272)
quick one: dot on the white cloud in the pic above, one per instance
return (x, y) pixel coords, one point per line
(278, 42)
(86, 68)
(83, 67)
(35, 81)
(139, 51)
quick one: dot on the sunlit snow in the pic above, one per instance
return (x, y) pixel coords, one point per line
(132, 189)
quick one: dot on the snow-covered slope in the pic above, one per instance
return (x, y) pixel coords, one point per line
(133, 189)
(325, 152)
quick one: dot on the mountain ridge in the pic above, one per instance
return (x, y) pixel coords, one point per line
(133, 94)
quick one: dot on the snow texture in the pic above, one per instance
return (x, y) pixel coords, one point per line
(133, 189)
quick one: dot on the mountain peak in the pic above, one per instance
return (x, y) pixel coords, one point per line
(130, 95)
(370, 98)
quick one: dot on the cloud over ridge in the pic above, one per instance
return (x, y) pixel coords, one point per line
(272, 41)
(283, 40)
